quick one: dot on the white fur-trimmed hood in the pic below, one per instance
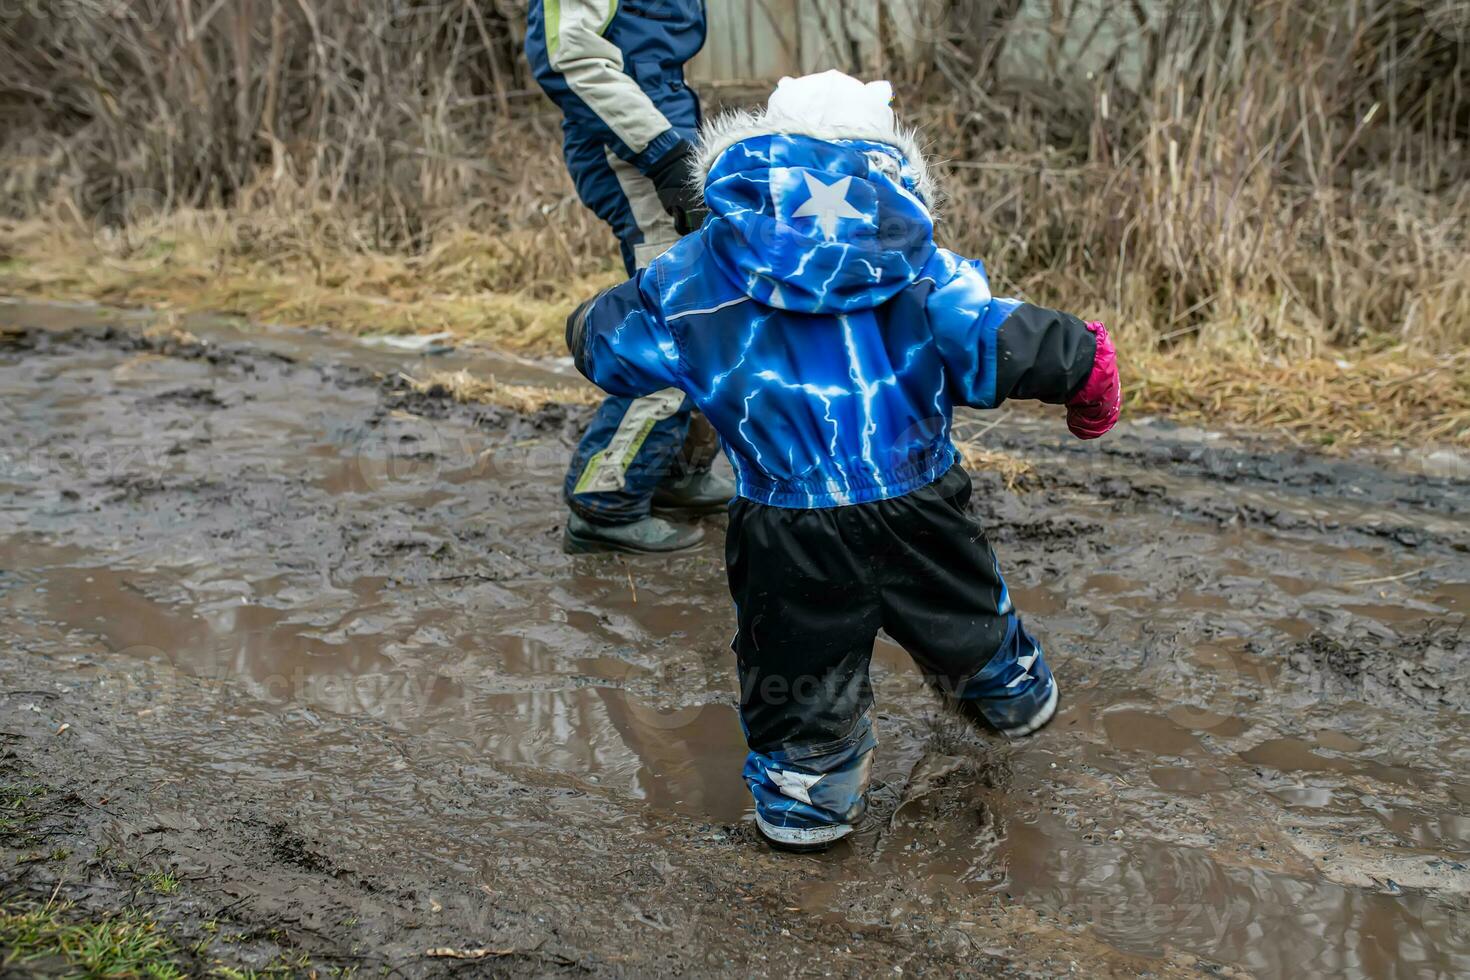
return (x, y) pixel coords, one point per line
(729, 128)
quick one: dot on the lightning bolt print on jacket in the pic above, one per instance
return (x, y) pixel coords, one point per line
(818, 326)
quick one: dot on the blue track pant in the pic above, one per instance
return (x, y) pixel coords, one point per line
(633, 443)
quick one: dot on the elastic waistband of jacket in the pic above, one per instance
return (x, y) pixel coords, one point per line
(809, 494)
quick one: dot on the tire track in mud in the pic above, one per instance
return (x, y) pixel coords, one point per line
(341, 635)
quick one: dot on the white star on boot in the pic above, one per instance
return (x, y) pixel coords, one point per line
(797, 785)
(1025, 664)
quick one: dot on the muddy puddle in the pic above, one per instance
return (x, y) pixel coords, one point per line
(266, 585)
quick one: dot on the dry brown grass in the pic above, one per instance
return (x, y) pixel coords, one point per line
(1282, 176)
(200, 262)
(1347, 397)
(1361, 398)
(167, 331)
(462, 386)
(1251, 192)
(1018, 474)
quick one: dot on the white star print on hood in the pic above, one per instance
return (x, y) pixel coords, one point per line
(817, 202)
(827, 204)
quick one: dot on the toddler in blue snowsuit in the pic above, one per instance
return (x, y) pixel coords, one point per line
(828, 340)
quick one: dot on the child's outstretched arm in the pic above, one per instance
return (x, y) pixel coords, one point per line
(620, 342)
(996, 349)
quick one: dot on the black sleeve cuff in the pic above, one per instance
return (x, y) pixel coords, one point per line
(1042, 354)
(577, 333)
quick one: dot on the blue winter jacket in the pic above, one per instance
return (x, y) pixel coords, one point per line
(616, 69)
(817, 325)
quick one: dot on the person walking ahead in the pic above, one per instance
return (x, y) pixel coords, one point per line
(616, 70)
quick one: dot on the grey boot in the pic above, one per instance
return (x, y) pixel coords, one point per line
(697, 493)
(650, 536)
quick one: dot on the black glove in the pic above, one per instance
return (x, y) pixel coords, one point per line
(676, 190)
(577, 332)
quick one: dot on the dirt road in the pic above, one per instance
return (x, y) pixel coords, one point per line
(304, 640)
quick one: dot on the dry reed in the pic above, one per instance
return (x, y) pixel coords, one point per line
(1247, 190)
(464, 387)
(1015, 472)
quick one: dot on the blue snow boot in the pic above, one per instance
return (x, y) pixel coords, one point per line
(807, 798)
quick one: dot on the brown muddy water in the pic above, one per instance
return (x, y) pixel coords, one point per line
(317, 650)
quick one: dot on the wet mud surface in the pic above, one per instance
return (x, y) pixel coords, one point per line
(306, 639)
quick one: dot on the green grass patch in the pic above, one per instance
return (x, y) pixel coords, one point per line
(125, 945)
(162, 882)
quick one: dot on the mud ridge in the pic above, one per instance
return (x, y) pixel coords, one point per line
(1427, 669)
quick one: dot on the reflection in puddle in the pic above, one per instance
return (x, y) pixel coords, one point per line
(685, 759)
(331, 558)
(1146, 897)
(1188, 779)
(1295, 755)
(1129, 729)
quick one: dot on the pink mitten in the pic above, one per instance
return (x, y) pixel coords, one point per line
(1094, 409)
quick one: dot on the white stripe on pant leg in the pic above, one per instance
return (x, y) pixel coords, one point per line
(608, 470)
(656, 224)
